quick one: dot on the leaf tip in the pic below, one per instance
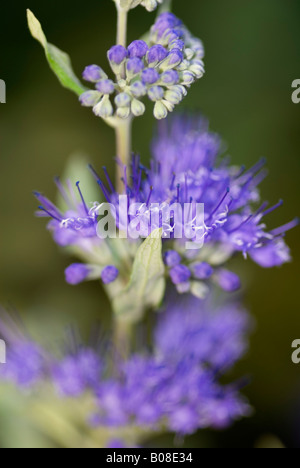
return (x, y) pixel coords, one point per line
(35, 28)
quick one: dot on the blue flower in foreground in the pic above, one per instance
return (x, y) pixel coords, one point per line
(178, 385)
(171, 60)
(76, 373)
(25, 360)
(175, 387)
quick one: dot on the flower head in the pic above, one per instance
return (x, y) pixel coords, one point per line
(187, 172)
(174, 387)
(172, 60)
(207, 209)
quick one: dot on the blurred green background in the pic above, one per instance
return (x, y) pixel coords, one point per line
(252, 57)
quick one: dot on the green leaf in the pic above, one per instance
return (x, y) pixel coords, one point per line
(58, 60)
(147, 284)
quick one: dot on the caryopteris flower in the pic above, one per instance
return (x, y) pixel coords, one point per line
(187, 170)
(174, 387)
(161, 69)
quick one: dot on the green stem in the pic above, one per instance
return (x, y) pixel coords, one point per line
(166, 6)
(123, 141)
(122, 338)
(122, 26)
(122, 330)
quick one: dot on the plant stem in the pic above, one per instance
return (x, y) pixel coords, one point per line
(122, 339)
(122, 26)
(123, 127)
(123, 142)
(166, 6)
(122, 330)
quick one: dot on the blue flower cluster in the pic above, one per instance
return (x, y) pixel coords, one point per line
(161, 69)
(175, 387)
(186, 168)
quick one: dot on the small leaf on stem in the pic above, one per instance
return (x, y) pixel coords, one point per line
(58, 60)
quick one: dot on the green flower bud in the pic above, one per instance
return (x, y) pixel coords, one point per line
(104, 108)
(160, 111)
(123, 112)
(197, 67)
(174, 96)
(123, 100)
(168, 105)
(187, 78)
(137, 108)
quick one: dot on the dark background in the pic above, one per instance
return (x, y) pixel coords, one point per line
(252, 57)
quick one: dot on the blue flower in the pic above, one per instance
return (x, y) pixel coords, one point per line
(76, 224)
(77, 373)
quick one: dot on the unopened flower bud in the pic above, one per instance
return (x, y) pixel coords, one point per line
(150, 76)
(174, 58)
(123, 112)
(170, 77)
(105, 86)
(116, 56)
(170, 107)
(138, 89)
(138, 49)
(93, 73)
(156, 93)
(89, 98)
(187, 78)
(104, 108)
(197, 67)
(177, 44)
(79, 272)
(137, 108)
(174, 96)
(189, 53)
(156, 54)
(228, 281)
(160, 111)
(122, 100)
(184, 65)
(134, 66)
(180, 274)
(109, 274)
(150, 5)
(202, 270)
